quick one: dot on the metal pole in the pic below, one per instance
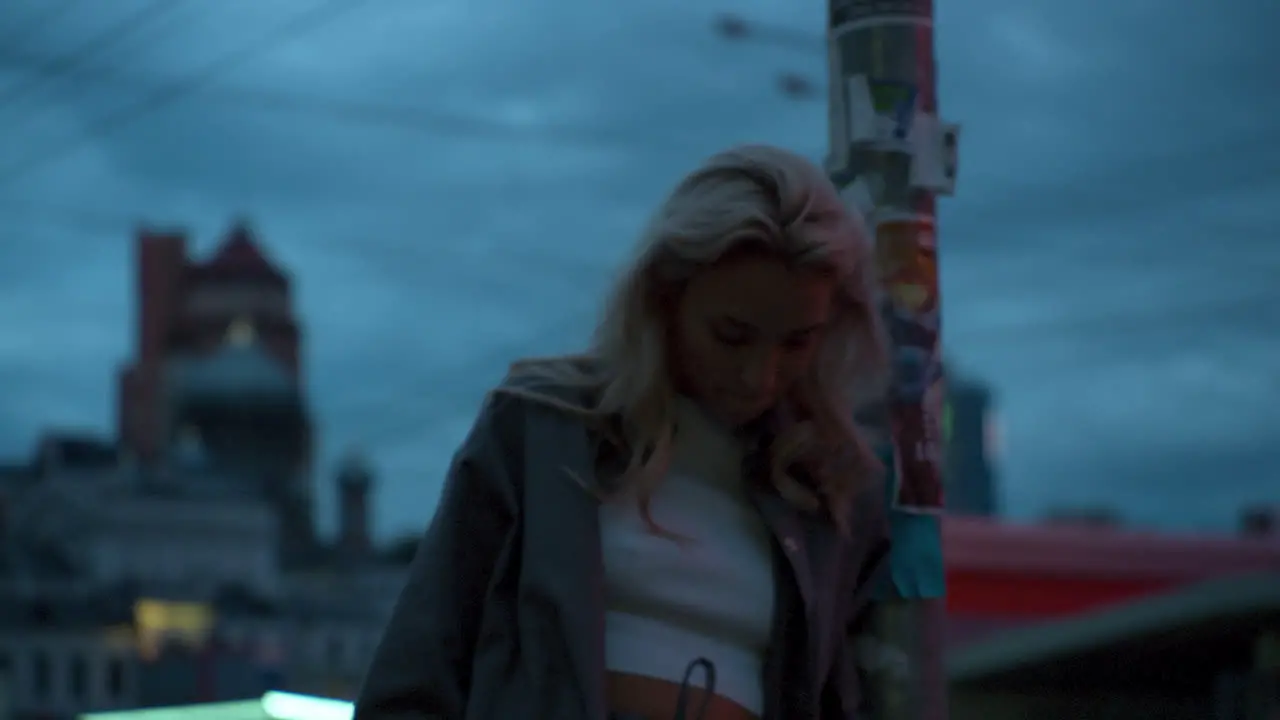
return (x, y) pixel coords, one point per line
(891, 155)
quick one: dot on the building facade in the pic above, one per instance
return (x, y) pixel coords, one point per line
(178, 562)
(971, 429)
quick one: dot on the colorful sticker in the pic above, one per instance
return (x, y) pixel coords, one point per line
(906, 251)
(896, 101)
(878, 110)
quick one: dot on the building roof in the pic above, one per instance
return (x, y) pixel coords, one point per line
(240, 255)
(65, 612)
(1174, 640)
(232, 371)
(980, 544)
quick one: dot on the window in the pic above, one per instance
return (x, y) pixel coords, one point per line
(79, 679)
(115, 679)
(41, 675)
(189, 446)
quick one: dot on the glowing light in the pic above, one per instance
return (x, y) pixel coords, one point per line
(158, 621)
(241, 332)
(272, 706)
(288, 706)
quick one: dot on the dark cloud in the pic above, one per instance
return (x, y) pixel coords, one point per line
(452, 183)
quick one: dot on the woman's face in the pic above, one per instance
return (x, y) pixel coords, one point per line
(745, 330)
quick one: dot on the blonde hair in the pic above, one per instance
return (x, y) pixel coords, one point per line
(750, 196)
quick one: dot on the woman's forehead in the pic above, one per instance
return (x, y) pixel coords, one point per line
(763, 292)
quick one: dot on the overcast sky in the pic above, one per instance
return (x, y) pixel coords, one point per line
(451, 183)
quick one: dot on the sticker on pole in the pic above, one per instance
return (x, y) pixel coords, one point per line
(879, 110)
(906, 256)
(934, 154)
(895, 101)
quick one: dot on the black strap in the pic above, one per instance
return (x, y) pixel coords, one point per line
(682, 699)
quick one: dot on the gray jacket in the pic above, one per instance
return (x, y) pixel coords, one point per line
(502, 616)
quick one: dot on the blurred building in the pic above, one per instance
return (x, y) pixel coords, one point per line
(216, 376)
(178, 563)
(6, 694)
(972, 436)
(1069, 621)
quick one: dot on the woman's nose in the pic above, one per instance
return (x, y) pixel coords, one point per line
(760, 371)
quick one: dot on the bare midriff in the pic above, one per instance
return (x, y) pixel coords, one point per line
(639, 696)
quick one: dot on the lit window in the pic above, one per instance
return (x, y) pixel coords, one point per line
(159, 622)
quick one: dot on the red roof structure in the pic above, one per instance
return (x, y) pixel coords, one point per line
(1033, 572)
(1176, 645)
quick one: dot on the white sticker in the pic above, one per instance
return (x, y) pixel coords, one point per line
(934, 154)
(862, 123)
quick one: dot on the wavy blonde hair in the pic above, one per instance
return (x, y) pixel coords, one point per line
(759, 197)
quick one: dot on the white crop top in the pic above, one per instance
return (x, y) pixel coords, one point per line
(668, 603)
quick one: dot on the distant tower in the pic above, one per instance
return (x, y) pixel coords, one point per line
(972, 449)
(355, 486)
(218, 359)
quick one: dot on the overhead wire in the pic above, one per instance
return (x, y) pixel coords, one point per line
(736, 28)
(53, 11)
(314, 18)
(435, 120)
(415, 117)
(109, 39)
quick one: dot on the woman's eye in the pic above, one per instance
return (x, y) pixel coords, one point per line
(731, 339)
(798, 343)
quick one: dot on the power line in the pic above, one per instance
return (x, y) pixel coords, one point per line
(360, 112)
(734, 27)
(53, 12)
(420, 118)
(97, 45)
(316, 17)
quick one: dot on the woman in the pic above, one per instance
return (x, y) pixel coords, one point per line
(683, 522)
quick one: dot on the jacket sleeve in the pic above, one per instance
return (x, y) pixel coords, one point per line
(421, 669)
(846, 693)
